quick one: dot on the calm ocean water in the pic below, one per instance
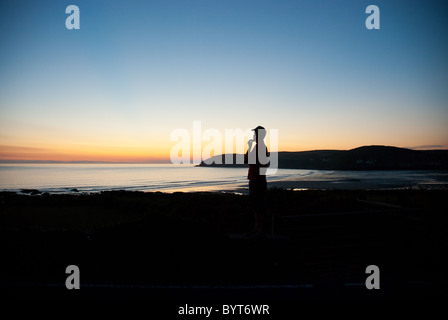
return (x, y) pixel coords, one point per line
(63, 178)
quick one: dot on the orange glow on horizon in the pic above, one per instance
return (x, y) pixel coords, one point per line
(156, 154)
(106, 154)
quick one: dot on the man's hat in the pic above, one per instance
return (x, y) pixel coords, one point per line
(258, 128)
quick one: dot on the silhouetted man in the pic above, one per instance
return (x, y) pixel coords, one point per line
(258, 160)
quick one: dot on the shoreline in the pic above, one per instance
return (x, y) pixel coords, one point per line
(84, 181)
(287, 184)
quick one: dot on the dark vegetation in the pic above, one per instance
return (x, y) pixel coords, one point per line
(326, 238)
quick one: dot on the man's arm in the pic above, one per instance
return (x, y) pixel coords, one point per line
(246, 156)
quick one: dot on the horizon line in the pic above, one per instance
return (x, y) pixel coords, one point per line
(167, 161)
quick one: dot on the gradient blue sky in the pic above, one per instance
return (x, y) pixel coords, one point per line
(136, 70)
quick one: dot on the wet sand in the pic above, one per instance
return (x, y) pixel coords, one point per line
(372, 180)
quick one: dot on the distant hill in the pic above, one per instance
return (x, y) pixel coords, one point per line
(362, 158)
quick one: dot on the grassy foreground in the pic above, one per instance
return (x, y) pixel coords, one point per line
(322, 238)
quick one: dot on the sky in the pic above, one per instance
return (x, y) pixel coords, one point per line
(135, 71)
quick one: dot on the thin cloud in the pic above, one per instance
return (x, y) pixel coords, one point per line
(22, 153)
(8, 149)
(426, 147)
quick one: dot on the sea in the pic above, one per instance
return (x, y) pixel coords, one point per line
(91, 178)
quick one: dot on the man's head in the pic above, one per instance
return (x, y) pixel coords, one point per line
(259, 133)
